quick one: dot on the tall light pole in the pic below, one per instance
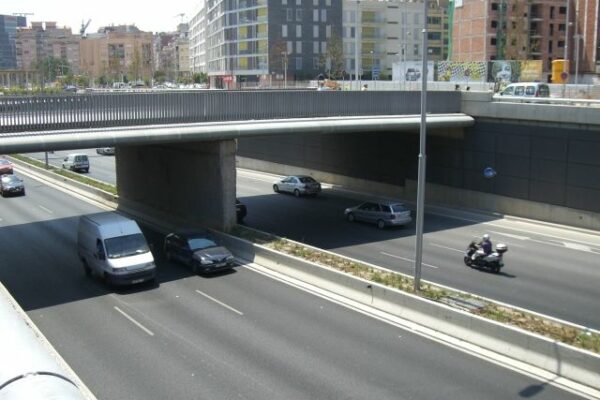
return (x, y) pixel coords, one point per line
(285, 61)
(356, 41)
(422, 157)
(566, 56)
(577, 38)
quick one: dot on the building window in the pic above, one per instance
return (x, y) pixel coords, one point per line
(315, 3)
(299, 47)
(289, 14)
(284, 2)
(493, 41)
(327, 31)
(328, 3)
(415, 49)
(315, 47)
(290, 47)
(323, 47)
(561, 44)
(562, 10)
(298, 2)
(494, 6)
(315, 31)
(494, 24)
(298, 30)
(561, 27)
(315, 15)
(298, 14)
(316, 63)
(550, 46)
(298, 63)
(323, 15)
(284, 31)
(552, 12)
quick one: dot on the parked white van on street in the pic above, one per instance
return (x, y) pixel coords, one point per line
(113, 247)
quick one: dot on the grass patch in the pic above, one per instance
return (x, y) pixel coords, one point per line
(533, 323)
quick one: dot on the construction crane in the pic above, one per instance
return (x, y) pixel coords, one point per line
(181, 15)
(84, 27)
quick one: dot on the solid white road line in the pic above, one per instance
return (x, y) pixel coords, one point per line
(142, 327)
(510, 235)
(46, 209)
(220, 303)
(406, 259)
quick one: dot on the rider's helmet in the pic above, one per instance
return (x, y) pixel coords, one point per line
(486, 237)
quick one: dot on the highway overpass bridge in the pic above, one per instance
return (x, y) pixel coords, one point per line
(177, 150)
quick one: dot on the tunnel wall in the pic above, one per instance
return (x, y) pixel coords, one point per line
(537, 165)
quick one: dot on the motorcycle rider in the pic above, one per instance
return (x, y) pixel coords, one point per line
(484, 247)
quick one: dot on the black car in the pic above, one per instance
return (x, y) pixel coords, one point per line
(240, 211)
(11, 184)
(198, 250)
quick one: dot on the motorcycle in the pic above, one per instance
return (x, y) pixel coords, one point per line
(492, 261)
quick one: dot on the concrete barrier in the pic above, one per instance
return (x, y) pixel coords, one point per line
(558, 358)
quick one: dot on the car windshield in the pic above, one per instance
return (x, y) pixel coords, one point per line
(124, 246)
(306, 179)
(398, 208)
(10, 179)
(200, 243)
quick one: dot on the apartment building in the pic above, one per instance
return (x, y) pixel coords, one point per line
(117, 53)
(585, 31)
(171, 53)
(391, 32)
(509, 30)
(255, 39)
(43, 40)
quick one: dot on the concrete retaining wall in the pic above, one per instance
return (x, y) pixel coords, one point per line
(566, 361)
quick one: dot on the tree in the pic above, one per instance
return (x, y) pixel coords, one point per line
(159, 76)
(332, 61)
(200, 77)
(278, 57)
(51, 67)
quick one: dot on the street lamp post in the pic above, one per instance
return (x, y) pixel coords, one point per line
(285, 62)
(356, 42)
(422, 157)
(373, 67)
(566, 55)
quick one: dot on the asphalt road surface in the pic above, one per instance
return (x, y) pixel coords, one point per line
(235, 335)
(548, 269)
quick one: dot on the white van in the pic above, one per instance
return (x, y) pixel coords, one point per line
(114, 248)
(526, 89)
(77, 162)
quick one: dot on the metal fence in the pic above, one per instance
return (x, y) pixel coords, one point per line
(97, 110)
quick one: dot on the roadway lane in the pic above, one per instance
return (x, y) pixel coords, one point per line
(237, 335)
(551, 270)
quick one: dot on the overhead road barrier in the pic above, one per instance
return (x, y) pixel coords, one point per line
(160, 134)
(58, 112)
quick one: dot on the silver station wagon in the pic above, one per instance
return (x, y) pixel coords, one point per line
(380, 213)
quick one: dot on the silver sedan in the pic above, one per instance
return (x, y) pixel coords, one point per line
(298, 185)
(380, 213)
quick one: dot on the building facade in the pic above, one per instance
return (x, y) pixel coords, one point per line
(117, 53)
(43, 40)
(8, 36)
(586, 34)
(509, 30)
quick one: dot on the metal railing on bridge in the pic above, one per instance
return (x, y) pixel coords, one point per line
(22, 114)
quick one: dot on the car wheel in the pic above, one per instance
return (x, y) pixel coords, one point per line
(276, 188)
(380, 223)
(195, 268)
(296, 193)
(350, 217)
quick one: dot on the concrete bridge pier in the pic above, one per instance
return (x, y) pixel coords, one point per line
(195, 182)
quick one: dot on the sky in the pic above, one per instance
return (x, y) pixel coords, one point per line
(144, 14)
